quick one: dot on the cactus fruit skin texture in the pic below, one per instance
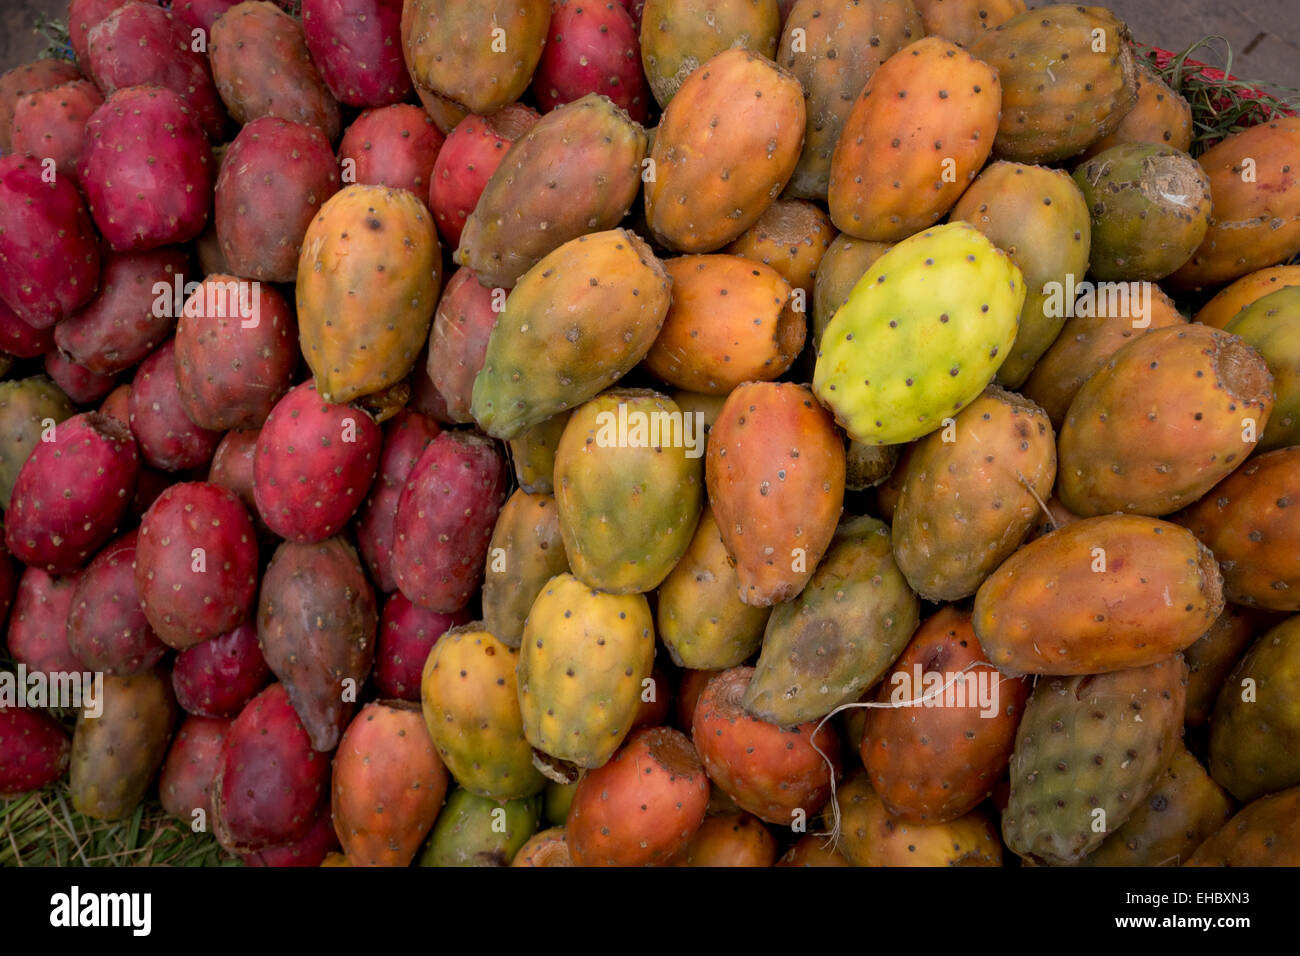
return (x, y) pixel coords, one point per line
(37, 634)
(577, 322)
(407, 632)
(932, 764)
(533, 454)
(627, 512)
(775, 474)
(479, 56)
(185, 782)
(36, 76)
(20, 340)
(51, 123)
(168, 439)
(1125, 591)
(393, 146)
(34, 750)
(316, 623)
(965, 21)
(469, 830)
(1265, 833)
(458, 340)
(576, 171)
(918, 135)
(1068, 78)
(525, 552)
(232, 469)
(845, 262)
(1161, 117)
(470, 702)
(922, 333)
(370, 252)
(218, 677)
(643, 806)
(1271, 325)
(314, 849)
(592, 48)
(583, 660)
(388, 785)
(723, 151)
(1088, 751)
(677, 36)
(107, 629)
(791, 236)
(1211, 659)
(356, 45)
(971, 496)
(79, 383)
(730, 839)
(841, 633)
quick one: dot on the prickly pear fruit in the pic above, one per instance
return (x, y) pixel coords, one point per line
(407, 632)
(458, 339)
(169, 439)
(116, 752)
(1161, 117)
(1265, 833)
(533, 454)
(791, 237)
(965, 21)
(677, 36)
(356, 45)
(37, 634)
(577, 322)
(921, 335)
(1216, 652)
(775, 473)
(474, 830)
(1227, 302)
(78, 382)
(839, 635)
(394, 146)
(51, 123)
(20, 340)
(107, 628)
(591, 48)
(471, 709)
(525, 552)
(1101, 594)
(185, 783)
(811, 850)
(34, 750)
(218, 677)
(730, 839)
(41, 74)
(232, 469)
(1088, 751)
(643, 806)
(371, 251)
(1271, 325)
(314, 849)
(71, 493)
(547, 848)
(584, 659)
(27, 407)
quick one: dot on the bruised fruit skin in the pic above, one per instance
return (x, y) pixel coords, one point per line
(34, 750)
(185, 783)
(730, 839)
(1264, 833)
(107, 627)
(37, 635)
(169, 439)
(356, 45)
(218, 677)
(525, 552)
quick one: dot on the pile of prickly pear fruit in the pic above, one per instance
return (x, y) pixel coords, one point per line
(671, 432)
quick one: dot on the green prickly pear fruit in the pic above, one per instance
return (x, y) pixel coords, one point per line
(533, 454)
(557, 799)
(526, 551)
(1265, 833)
(1271, 325)
(845, 262)
(478, 831)
(629, 485)
(581, 669)
(1216, 652)
(840, 635)
(921, 335)
(1088, 751)
(678, 35)
(576, 323)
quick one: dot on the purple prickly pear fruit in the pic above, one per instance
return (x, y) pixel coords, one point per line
(185, 784)
(71, 493)
(592, 48)
(21, 340)
(78, 382)
(445, 519)
(107, 628)
(34, 750)
(314, 463)
(269, 781)
(392, 146)
(122, 325)
(83, 16)
(51, 123)
(168, 439)
(28, 78)
(196, 563)
(38, 636)
(311, 850)
(356, 45)
(49, 255)
(200, 14)
(406, 634)
(218, 677)
(405, 437)
(458, 339)
(316, 622)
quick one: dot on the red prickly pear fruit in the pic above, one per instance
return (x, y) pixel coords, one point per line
(270, 782)
(38, 635)
(196, 563)
(320, 842)
(200, 14)
(29, 78)
(83, 16)
(236, 349)
(776, 773)
(388, 785)
(126, 320)
(425, 397)
(21, 340)
(34, 750)
(273, 179)
(393, 146)
(406, 634)
(406, 435)
(356, 45)
(49, 255)
(71, 493)
(314, 463)
(78, 382)
(150, 485)
(458, 339)
(27, 406)
(657, 707)
(185, 783)
(316, 622)
(634, 10)
(218, 677)
(140, 44)
(8, 581)
(473, 151)
(168, 439)
(591, 48)
(51, 123)
(643, 806)
(138, 130)
(107, 629)
(445, 519)
(232, 468)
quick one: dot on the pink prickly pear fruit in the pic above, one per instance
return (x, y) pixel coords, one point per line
(78, 382)
(51, 123)
(138, 131)
(406, 435)
(49, 254)
(83, 16)
(34, 750)
(314, 463)
(236, 350)
(445, 519)
(127, 319)
(21, 340)
(71, 493)
(392, 146)
(458, 339)
(320, 842)
(407, 632)
(38, 635)
(316, 622)
(473, 151)
(270, 782)
(592, 48)
(168, 439)
(107, 628)
(273, 179)
(356, 45)
(219, 677)
(27, 79)
(196, 563)
(185, 783)
(200, 14)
